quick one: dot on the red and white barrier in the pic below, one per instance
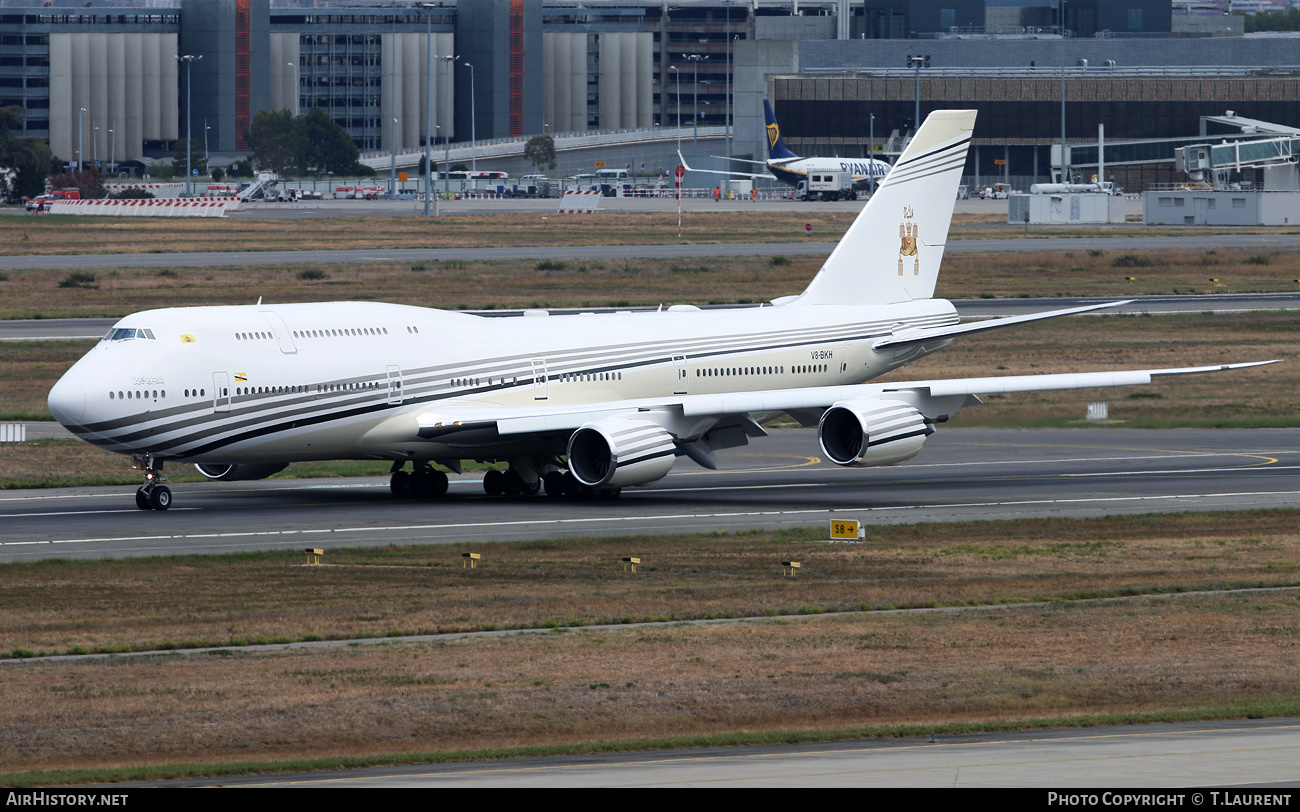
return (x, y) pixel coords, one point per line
(161, 207)
(575, 202)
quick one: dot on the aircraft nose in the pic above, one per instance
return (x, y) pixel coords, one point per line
(67, 401)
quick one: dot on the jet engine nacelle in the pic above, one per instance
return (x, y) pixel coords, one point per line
(620, 451)
(872, 431)
(233, 473)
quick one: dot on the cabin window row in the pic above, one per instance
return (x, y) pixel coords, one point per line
(346, 331)
(137, 394)
(303, 389)
(726, 372)
(330, 333)
(570, 377)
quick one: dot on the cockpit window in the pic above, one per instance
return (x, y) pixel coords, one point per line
(123, 333)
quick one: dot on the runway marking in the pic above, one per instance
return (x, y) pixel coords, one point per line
(594, 520)
(82, 512)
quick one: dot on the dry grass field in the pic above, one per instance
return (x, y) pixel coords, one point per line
(621, 282)
(869, 673)
(96, 235)
(50, 234)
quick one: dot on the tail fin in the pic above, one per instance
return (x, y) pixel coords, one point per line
(775, 146)
(912, 208)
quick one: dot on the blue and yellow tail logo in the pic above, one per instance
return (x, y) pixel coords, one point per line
(773, 135)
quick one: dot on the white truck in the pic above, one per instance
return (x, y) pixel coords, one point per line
(827, 186)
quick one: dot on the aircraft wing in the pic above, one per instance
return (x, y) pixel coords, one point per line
(688, 416)
(737, 160)
(753, 175)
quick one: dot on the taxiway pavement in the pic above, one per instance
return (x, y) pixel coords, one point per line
(775, 482)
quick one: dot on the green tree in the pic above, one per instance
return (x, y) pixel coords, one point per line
(328, 147)
(217, 174)
(540, 152)
(198, 157)
(276, 141)
(24, 162)
(1280, 20)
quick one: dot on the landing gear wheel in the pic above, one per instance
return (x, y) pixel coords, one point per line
(610, 494)
(494, 482)
(142, 500)
(421, 488)
(572, 487)
(427, 483)
(555, 484)
(161, 498)
(400, 484)
(437, 484)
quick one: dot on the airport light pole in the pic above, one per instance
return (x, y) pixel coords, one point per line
(1064, 176)
(112, 149)
(473, 125)
(94, 145)
(726, 108)
(678, 98)
(80, 127)
(428, 105)
(392, 174)
(446, 127)
(188, 59)
(695, 115)
(916, 62)
(297, 86)
(871, 168)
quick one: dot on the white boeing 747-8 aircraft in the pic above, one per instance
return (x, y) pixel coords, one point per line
(585, 404)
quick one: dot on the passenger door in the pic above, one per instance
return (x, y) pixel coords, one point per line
(221, 391)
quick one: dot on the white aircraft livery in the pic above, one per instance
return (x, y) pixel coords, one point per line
(789, 168)
(582, 404)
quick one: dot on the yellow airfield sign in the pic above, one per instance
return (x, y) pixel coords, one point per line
(844, 529)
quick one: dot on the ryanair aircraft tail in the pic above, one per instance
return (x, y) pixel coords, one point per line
(911, 209)
(776, 149)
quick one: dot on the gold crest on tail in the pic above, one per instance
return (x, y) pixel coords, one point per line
(908, 232)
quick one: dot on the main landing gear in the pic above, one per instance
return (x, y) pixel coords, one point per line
(559, 483)
(509, 483)
(564, 485)
(152, 495)
(422, 483)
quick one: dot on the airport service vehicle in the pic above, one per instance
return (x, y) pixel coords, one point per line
(789, 168)
(583, 405)
(221, 190)
(995, 191)
(41, 203)
(826, 186)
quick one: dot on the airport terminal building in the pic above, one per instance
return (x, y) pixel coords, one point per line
(104, 78)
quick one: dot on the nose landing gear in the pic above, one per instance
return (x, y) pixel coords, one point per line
(152, 495)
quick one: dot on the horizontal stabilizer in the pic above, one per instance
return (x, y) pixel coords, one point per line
(921, 336)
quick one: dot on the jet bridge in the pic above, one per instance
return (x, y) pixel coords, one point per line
(1213, 162)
